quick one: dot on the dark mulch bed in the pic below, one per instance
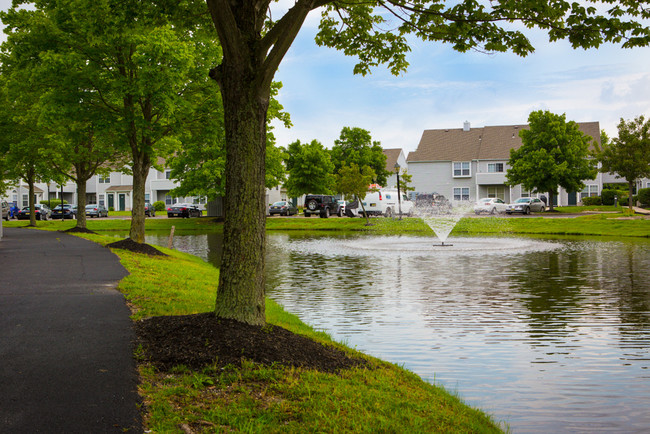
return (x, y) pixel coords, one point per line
(80, 230)
(129, 244)
(203, 339)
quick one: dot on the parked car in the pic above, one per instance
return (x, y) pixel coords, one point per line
(42, 212)
(322, 204)
(342, 205)
(94, 210)
(69, 212)
(385, 202)
(432, 201)
(490, 205)
(5, 210)
(283, 207)
(149, 210)
(526, 205)
(184, 210)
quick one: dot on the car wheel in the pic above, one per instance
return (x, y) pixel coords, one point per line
(493, 211)
(389, 212)
(312, 205)
(340, 213)
(542, 209)
(527, 211)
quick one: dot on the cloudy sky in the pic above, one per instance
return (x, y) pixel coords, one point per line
(442, 89)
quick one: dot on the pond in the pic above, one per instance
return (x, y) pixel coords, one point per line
(545, 334)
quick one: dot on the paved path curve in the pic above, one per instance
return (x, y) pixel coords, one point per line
(66, 357)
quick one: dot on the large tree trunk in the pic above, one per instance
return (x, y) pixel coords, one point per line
(81, 203)
(141, 165)
(551, 196)
(240, 294)
(32, 208)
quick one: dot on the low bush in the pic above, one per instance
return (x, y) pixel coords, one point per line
(644, 196)
(592, 200)
(159, 205)
(608, 197)
(52, 202)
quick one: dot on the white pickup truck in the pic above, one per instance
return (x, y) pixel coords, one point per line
(384, 202)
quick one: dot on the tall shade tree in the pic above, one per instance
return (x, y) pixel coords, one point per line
(144, 61)
(355, 145)
(628, 155)
(554, 153)
(310, 169)
(254, 42)
(22, 140)
(353, 181)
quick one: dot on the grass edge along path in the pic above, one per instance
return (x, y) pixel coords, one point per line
(255, 398)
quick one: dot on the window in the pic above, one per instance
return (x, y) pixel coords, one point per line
(497, 191)
(526, 193)
(461, 193)
(25, 200)
(168, 200)
(589, 190)
(168, 174)
(104, 179)
(461, 169)
(495, 167)
(146, 197)
(101, 200)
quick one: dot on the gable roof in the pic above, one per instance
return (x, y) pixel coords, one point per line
(487, 143)
(391, 158)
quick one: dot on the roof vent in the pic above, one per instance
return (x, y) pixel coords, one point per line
(466, 126)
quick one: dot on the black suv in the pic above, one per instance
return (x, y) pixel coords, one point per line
(323, 205)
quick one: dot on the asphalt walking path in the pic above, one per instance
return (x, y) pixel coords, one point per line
(66, 355)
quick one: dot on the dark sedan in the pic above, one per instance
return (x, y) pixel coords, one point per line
(184, 210)
(69, 212)
(42, 212)
(283, 208)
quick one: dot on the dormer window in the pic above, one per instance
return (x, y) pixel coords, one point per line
(461, 169)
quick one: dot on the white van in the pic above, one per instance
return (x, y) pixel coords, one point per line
(384, 202)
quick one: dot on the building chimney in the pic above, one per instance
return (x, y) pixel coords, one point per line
(466, 126)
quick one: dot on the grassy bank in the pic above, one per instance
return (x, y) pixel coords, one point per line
(253, 398)
(612, 224)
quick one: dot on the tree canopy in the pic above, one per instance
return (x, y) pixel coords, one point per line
(355, 145)
(554, 154)
(628, 155)
(309, 168)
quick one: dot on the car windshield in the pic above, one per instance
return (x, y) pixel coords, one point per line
(523, 200)
(279, 203)
(91, 206)
(486, 200)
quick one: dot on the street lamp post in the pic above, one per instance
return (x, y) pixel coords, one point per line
(399, 196)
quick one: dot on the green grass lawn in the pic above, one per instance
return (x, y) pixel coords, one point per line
(592, 223)
(262, 399)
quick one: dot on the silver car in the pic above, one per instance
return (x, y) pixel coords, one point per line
(526, 205)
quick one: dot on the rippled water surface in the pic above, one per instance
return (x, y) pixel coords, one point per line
(547, 335)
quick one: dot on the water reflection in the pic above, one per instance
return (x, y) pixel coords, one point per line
(550, 335)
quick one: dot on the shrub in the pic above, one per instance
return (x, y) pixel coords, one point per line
(111, 208)
(159, 205)
(644, 196)
(52, 202)
(592, 200)
(608, 197)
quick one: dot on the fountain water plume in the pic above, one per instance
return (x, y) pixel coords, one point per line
(443, 218)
